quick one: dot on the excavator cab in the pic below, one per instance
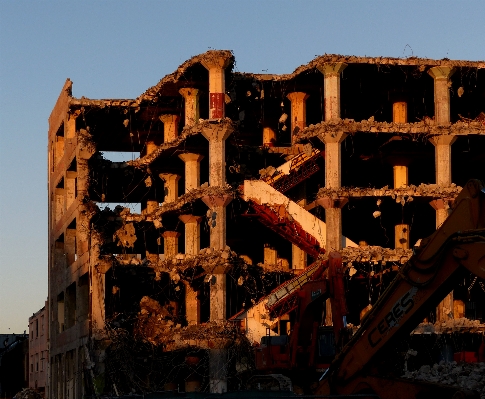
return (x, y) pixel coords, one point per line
(310, 347)
(326, 348)
(274, 352)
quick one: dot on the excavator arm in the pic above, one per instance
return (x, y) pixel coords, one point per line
(456, 247)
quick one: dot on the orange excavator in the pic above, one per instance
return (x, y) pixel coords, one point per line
(440, 260)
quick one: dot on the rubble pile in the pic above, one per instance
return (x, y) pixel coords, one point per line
(88, 102)
(421, 64)
(426, 127)
(210, 331)
(401, 195)
(155, 322)
(209, 56)
(282, 267)
(28, 393)
(158, 325)
(372, 253)
(469, 376)
(203, 191)
(175, 352)
(449, 326)
(268, 172)
(210, 260)
(187, 131)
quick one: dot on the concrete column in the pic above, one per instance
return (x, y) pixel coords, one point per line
(400, 112)
(400, 176)
(192, 233)
(59, 204)
(70, 246)
(217, 219)
(298, 256)
(441, 76)
(445, 309)
(170, 127)
(442, 145)
(333, 220)
(217, 177)
(170, 244)
(58, 149)
(151, 204)
(218, 356)
(401, 236)
(269, 137)
(171, 186)
(82, 176)
(333, 159)
(331, 88)
(70, 188)
(70, 128)
(333, 179)
(98, 303)
(218, 297)
(270, 255)
(217, 136)
(217, 85)
(191, 97)
(192, 306)
(218, 370)
(298, 111)
(151, 147)
(192, 170)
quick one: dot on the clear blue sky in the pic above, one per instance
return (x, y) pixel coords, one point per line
(117, 49)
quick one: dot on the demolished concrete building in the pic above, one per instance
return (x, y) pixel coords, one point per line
(235, 183)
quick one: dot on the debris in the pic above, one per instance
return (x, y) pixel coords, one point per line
(267, 172)
(426, 127)
(449, 326)
(187, 131)
(469, 376)
(28, 393)
(401, 195)
(372, 253)
(126, 235)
